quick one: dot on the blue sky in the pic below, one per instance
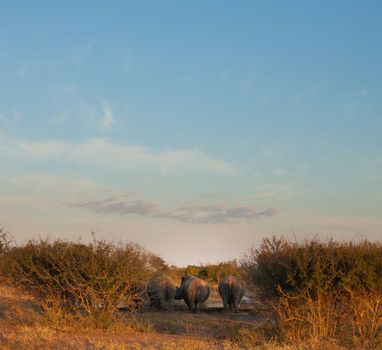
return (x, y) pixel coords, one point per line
(194, 128)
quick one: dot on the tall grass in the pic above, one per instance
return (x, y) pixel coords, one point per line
(320, 291)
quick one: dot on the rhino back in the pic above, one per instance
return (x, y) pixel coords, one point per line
(203, 293)
(170, 288)
(198, 290)
(231, 287)
(161, 288)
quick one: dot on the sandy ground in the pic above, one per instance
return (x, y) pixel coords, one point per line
(23, 327)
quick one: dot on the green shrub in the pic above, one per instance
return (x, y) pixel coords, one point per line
(80, 279)
(215, 272)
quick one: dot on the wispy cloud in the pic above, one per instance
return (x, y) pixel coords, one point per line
(29, 66)
(60, 117)
(128, 62)
(375, 162)
(107, 119)
(214, 214)
(308, 92)
(263, 99)
(127, 67)
(205, 208)
(228, 74)
(278, 172)
(80, 192)
(55, 187)
(34, 151)
(66, 89)
(276, 192)
(4, 121)
(356, 100)
(103, 153)
(75, 57)
(302, 167)
(98, 116)
(10, 120)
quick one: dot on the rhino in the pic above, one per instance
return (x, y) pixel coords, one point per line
(231, 290)
(161, 291)
(193, 291)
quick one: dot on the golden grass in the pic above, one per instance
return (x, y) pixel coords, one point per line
(24, 326)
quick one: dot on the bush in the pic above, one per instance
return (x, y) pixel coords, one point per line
(81, 279)
(5, 243)
(214, 272)
(320, 290)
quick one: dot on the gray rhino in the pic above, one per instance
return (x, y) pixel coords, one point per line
(231, 290)
(161, 290)
(193, 291)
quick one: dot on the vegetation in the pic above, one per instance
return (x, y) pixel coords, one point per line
(78, 279)
(319, 290)
(4, 246)
(309, 295)
(213, 273)
(24, 326)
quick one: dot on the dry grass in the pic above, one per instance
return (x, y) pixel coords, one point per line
(317, 291)
(23, 325)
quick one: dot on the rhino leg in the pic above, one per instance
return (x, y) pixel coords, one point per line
(171, 305)
(235, 306)
(162, 305)
(189, 304)
(154, 303)
(225, 305)
(196, 307)
(231, 306)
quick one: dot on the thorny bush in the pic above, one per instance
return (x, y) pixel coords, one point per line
(86, 280)
(320, 290)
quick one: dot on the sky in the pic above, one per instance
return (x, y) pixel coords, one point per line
(194, 128)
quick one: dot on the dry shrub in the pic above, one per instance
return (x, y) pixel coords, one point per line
(244, 337)
(320, 291)
(365, 317)
(81, 280)
(5, 243)
(304, 317)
